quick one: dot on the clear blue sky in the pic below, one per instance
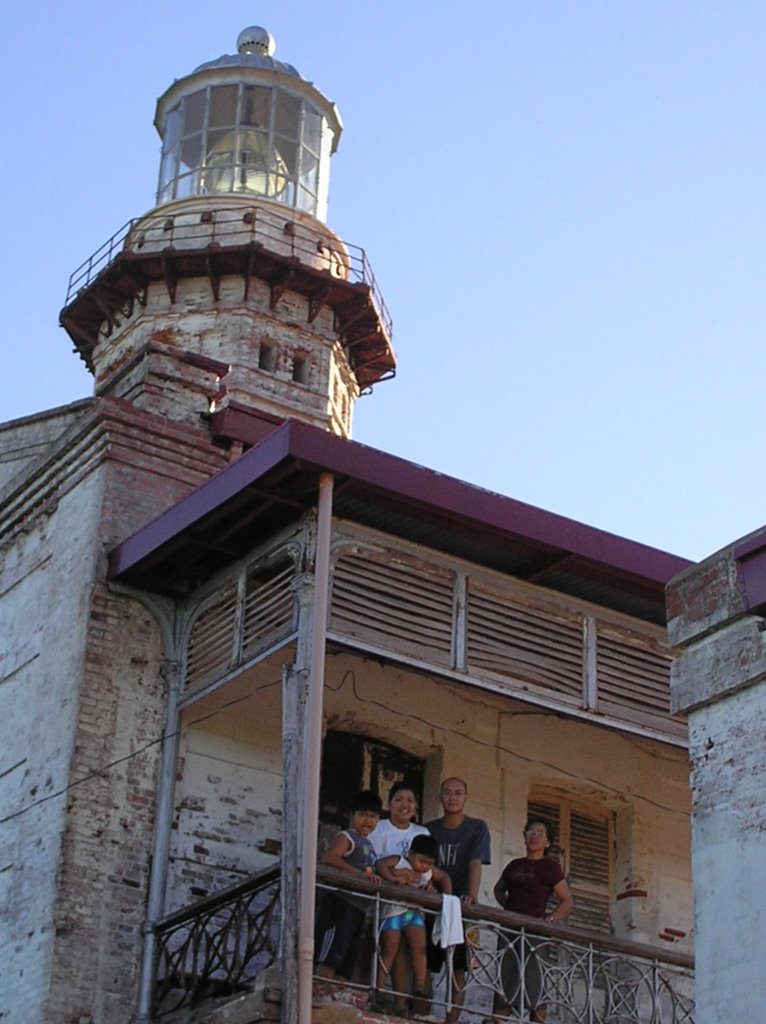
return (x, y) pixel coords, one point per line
(564, 203)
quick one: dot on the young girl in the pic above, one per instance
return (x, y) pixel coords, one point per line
(415, 869)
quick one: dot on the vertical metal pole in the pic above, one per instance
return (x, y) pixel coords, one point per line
(292, 686)
(313, 749)
(161, 845)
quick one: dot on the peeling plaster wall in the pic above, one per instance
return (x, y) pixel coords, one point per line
(45, 589)
(25, 440)
(83, 700)
(729, 756)
(720, 682)
(228, 819)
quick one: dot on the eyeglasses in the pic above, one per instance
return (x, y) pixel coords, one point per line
(537, 832)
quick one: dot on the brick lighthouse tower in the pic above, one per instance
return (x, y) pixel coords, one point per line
(227, 315)
(231, 297)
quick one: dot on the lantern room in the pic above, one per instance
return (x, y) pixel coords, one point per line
(248, 125)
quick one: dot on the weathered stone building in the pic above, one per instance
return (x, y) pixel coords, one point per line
(223, 616)
(716, 616)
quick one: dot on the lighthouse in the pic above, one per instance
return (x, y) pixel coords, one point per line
(231, 299)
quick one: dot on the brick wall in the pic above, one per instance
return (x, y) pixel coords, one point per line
(83, 688)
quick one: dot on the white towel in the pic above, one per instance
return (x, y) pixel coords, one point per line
(448, 929)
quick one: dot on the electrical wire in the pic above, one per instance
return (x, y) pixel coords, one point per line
(105, 769)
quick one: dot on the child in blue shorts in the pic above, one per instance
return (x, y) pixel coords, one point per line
(417, 869)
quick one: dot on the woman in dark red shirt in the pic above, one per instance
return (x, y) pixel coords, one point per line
(525, 887)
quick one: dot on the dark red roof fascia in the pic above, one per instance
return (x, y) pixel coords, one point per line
(407, 483)
(750, 559)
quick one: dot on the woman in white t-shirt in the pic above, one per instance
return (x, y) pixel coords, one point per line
(395, 833)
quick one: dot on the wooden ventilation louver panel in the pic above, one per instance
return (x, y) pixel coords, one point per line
(589, 872)
(270, 606)
(532, 646)
(211, 643)
(396, 602)
(633, 680)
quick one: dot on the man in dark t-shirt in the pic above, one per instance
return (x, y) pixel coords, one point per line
(463, 844)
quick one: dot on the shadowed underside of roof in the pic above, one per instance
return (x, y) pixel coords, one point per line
(276, 482)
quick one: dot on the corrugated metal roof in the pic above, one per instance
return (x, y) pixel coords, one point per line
(276, 481)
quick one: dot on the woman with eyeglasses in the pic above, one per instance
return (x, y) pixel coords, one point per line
(526, 886)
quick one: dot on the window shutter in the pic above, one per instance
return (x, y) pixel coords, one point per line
(394, 602)
(210, 643)
(589, 872)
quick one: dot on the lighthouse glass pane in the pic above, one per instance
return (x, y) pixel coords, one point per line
(188, 185)
(256, 106)
(194, 112)
(223, 106)
(279, 176)
(252, 162)
(219, 161)
(172, 131)
(169, 167)
(307, 201)
(286, 155)
(191, 153)
(287, 115)
(309, 168)
(312, 130)
(282, 190)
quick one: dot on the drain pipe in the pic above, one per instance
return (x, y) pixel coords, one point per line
(313, 749)
(162, 834)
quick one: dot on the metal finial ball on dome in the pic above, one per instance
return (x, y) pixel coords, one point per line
(256, 40)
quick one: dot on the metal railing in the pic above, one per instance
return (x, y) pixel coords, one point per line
(217, 946)
(199, 227)
(515, 966)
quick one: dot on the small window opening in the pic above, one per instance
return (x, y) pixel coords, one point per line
(267, 358)
(301, 368)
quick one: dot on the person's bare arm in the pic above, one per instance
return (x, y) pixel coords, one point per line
(564, 896)
(390, 873)
(474, 881)
(335, 853)
(500, 891)
(334, 857)
(441, 880)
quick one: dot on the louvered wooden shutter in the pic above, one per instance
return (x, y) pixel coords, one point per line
(270, 606)
(211, 641)
(394, 602)
(632, 675)
(529, 645)
(589, 872)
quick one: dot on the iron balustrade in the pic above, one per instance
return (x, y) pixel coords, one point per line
(515, 964)
(201, 227)
(217, 946)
